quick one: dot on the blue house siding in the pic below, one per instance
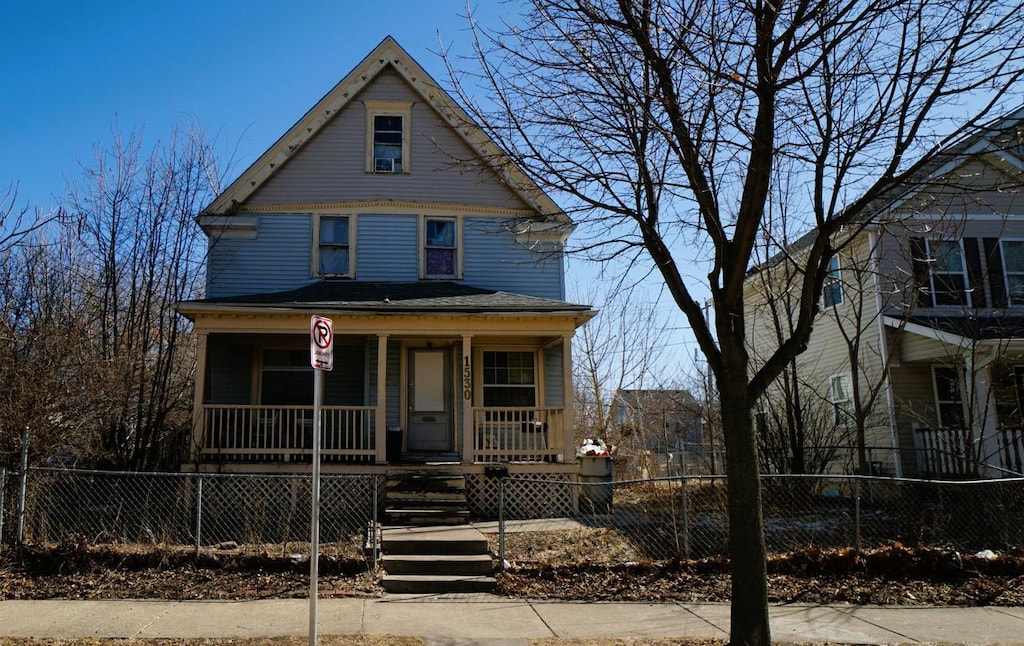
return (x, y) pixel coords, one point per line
(277, 259)
(553, 395)
(229, 367)
(387, 248)
(494, 260)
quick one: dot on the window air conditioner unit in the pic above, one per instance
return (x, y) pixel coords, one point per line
(383, 165)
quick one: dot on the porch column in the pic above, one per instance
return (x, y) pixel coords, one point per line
(568, 403)
(466, 371)
(381, 417)
(198, 421)
(982, 402)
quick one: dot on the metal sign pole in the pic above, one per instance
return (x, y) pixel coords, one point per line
(321, 357)
(314, 540)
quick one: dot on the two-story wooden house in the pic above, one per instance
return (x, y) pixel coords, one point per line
(920, 337)
(441, 266)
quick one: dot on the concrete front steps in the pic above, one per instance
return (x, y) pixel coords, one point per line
(427, 545)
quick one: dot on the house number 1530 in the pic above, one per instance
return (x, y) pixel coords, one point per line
(467, 381)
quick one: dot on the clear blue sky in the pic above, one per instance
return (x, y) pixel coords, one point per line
(72, 71)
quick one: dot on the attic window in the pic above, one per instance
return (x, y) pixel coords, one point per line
(387, 136)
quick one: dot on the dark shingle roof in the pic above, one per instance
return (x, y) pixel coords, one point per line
(979, 328)
(424, 296)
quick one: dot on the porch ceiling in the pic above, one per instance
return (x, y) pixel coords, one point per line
(938, 338)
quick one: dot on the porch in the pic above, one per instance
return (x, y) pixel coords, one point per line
(955, 453)
(350, 434)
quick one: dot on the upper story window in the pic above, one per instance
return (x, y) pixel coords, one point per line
(440, 248)
(387, 136)
(832, 294)
(947, 273)
(333, 256)
(1013, 269)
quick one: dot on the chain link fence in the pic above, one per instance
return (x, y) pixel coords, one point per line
(202, 510)
(667, 518)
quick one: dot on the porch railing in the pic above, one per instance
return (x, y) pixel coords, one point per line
(948, 453)
(518, 434)
(244, 433)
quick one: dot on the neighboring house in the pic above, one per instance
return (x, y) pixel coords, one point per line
(660, 432)
(441, 266)
(919, 345)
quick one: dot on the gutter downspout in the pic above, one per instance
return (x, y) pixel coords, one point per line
(883, 345)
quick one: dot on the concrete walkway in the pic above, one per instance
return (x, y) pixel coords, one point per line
(488, 619)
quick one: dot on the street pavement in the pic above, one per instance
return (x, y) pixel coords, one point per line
(487, 619)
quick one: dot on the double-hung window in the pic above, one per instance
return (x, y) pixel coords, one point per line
(842, 401)
(387, 136)
(440, 248)
(948, 274)
(1013, 268)
(509, 379)
(333, 247)
(832, 294)
(949, 404)
(287, 378)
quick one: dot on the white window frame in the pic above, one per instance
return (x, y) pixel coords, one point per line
(457, 221)
(832, 291)
(483, 385)
(842, 407)
(960, 386)
(376, 109)
(963, 273)
(350, 273)
(1007, 285)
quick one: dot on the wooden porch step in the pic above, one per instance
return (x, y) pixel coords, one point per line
(421, 517)
(437, 584)
(450, 564)
(449, 540)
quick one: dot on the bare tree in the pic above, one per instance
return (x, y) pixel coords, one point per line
(661, 124)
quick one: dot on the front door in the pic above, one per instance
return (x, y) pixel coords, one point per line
(430, 418)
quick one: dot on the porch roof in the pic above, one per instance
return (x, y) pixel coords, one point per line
(434, 297)
(931, 338)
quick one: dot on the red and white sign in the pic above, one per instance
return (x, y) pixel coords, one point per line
(321, 343)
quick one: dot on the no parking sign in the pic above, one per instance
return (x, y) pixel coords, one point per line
(321, 343)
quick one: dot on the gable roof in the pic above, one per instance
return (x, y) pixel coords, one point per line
(388, 54)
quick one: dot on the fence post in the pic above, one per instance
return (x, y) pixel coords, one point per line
(3, 503)
(686, 519)
(24, 486)
(501, 524)
(856, 513)
(373, 524)
(199, 513)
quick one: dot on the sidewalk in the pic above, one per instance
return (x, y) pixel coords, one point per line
(485, 618)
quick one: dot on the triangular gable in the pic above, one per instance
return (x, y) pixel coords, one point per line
(387, 54)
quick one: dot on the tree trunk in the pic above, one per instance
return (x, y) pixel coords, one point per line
(749, 623)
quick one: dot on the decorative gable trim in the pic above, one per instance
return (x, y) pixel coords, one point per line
(387, 54)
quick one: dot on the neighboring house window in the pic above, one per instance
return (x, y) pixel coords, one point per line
(949, 404)
(833, 290)
(509, 379)
(947, 275)
(387, 135)
(440, 248)
(1013, 268)
(287, 378)
(842, 402)
(334, 252)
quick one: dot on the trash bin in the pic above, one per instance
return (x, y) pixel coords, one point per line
(596, 478)
(394, 444)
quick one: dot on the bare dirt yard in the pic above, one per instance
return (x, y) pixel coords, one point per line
(895, 575)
